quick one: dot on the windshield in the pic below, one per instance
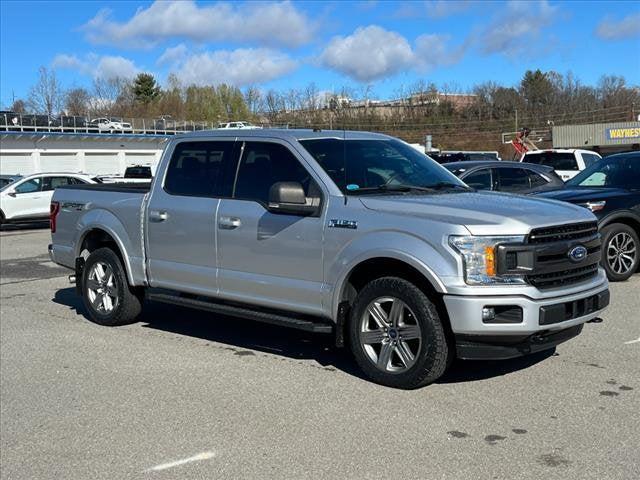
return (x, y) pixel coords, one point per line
(619, 171)
(371, 164)
(557, 160)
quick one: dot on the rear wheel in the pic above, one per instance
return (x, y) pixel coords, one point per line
(106, 292)
(620, 251)
(396, 335)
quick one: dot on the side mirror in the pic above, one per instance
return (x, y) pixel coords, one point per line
(12, 194)
(288, 198)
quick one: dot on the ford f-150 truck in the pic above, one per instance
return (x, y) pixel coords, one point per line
(352, 234)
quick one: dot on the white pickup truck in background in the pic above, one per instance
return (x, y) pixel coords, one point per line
(566, 162)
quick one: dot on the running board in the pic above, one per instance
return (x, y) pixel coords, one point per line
(283, 320)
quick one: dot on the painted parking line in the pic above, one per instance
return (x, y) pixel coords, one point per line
(637, 340)
(196, 458)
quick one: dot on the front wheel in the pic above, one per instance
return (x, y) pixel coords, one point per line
(620, 251)
(106, 292)
(396, 335)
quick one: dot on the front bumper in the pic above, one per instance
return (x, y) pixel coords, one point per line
(553, 313)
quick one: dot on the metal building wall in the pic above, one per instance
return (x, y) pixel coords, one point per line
(597, 134)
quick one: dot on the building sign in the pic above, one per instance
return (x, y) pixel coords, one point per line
(623, 133)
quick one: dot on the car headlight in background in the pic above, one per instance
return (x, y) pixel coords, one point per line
(479, 258)
(594, 206)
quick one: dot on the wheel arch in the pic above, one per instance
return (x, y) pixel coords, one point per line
(626, 218)
(98, 237)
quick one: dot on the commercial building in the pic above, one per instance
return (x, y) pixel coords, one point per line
(604, 138)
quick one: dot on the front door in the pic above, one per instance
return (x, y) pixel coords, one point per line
(181, 215)
(269, 259)
(26, 200)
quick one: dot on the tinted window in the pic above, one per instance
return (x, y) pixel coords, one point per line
(512, 179)
(615, 171)
(264, 164)
(557, 160)
(138, 172)
(197, 169)
(480, 180)
(589, 159)
(29, 186)
(536, 180)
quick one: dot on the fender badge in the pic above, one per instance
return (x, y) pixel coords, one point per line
(335, 223)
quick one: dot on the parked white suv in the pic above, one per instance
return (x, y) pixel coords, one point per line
(566, 162)
(29, 198)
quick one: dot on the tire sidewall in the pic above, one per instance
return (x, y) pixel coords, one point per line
(430, 328)
(608, 233)
(107, 256)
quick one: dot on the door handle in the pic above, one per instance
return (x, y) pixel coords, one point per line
(158, 216)
(229, 223)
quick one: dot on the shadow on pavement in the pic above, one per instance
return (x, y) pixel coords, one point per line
(246, 335)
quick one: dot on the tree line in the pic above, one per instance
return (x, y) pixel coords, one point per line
(540, 99)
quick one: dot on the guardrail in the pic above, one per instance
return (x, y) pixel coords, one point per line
(70, 124)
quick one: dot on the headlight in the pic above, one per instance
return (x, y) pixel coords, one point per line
(479, 258)
(594, 206)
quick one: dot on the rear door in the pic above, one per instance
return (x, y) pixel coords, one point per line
(265, 258)
(513, 180)
(181, 227)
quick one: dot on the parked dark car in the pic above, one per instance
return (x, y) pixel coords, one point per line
(611, 190)
(510, 177)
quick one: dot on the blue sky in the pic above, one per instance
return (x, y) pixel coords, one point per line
(384, 45)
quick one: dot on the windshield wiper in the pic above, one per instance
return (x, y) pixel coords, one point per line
(446, 185)
(392, 188)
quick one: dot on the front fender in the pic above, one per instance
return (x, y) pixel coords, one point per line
(100, 219)
(412, 250)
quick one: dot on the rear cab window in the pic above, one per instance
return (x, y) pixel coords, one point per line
(557, 160)
(198, 169)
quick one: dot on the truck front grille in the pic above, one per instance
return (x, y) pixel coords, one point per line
(574, 231)
(564, 277)
(552, 266)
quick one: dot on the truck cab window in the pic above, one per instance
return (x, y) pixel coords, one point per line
(196, 169)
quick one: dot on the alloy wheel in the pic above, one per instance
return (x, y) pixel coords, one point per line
(102, 288)
(621, 253)
(390, 335)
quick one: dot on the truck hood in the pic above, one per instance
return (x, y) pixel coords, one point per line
(483, 213)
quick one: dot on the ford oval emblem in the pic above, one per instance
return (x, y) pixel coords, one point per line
(577, 253)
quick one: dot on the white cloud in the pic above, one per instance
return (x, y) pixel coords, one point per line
(173, 55)
(272, 23)
(241, 67)
(628, 27)
(516, 30)
(372, 53)
(106, 67)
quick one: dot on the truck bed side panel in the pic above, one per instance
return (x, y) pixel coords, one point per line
(117, 212)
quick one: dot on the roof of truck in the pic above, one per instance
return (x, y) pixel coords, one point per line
(285, 133)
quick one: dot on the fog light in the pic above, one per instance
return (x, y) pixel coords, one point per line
(488, 314)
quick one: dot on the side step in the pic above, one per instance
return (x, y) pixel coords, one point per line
(283, 320)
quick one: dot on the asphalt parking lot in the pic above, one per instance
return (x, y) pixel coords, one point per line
(183, 394)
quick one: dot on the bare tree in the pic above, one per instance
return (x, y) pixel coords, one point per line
(18, 106)
(77, 101)
(46, 96)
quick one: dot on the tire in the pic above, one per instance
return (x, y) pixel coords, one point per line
(389, 310)
(104, 276)
(620, 251)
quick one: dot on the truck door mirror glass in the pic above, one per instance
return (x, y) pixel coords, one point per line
(289, 198)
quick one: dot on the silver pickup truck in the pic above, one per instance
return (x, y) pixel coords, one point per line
(354, 234)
